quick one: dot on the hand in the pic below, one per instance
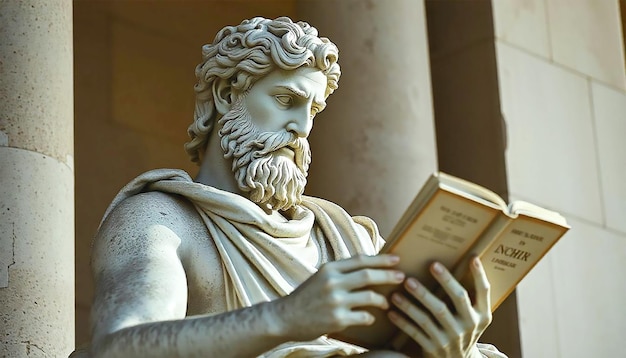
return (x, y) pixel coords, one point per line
(382, 354)
(330, 300)
(450, 335)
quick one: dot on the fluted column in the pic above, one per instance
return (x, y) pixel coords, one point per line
(374, 145)
(36, 179)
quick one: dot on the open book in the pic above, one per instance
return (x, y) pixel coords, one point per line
(451, 221)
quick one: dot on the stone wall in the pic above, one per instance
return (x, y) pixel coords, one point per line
(563, 93)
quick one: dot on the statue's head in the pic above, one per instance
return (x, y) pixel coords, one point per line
(262, 51)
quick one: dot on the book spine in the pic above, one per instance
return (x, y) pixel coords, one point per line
(482, 244)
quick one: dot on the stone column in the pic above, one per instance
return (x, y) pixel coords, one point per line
(36, 179)
(471, 138)
(374, 145)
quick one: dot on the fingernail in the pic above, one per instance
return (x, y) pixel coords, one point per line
(385, 305)
(397, 298)
(438, 268)
(394, 259)
(412, 283)
(399, 276)
(477, 262)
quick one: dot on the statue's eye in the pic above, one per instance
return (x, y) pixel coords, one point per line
(284, 100)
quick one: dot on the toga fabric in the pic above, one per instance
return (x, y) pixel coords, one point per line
(264, 258)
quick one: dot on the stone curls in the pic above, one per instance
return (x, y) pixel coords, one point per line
(244, 53)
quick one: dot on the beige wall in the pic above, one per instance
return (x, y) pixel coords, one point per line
(563, 92)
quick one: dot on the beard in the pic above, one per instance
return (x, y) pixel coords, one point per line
(271, 180)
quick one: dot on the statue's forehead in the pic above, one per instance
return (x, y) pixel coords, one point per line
(302, 74)
(305, 81)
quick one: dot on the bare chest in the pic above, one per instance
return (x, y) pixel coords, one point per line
(207, 277)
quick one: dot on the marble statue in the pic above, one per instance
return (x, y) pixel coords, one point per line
(237, 262)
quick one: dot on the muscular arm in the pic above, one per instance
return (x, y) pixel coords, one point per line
(141, 295)
(242, 333)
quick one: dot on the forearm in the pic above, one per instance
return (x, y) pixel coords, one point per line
(243, 333)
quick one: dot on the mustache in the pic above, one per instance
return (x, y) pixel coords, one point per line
(270, 142)
(244, 142)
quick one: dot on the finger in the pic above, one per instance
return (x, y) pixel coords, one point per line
(372, 277)
(420, 318)
(364, 261)
(482, 286)
(358, 318)
(457, 293)
(434, 305)
(365, 299)
(411, 330)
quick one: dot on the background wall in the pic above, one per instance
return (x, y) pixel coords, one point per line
(562, 88)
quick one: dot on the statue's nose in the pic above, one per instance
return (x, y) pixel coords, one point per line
(301, 124)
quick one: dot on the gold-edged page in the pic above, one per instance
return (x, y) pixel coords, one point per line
(472, 190)
(520, 207)
(515, 252)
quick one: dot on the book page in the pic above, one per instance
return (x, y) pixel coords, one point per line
(443, 231)
(514, 253)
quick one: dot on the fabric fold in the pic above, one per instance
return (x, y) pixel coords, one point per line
(265, 258)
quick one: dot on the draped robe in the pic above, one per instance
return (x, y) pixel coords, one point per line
(264, 258)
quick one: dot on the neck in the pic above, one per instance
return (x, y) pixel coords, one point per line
(215, 170)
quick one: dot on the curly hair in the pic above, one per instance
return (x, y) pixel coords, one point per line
(244, 54)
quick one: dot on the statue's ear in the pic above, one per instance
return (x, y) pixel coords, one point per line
(223, 95)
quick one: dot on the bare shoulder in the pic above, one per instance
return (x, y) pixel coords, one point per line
(153, 208)
(138, 258)
(146, 222)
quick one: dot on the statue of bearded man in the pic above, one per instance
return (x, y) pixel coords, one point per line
(238, 262)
